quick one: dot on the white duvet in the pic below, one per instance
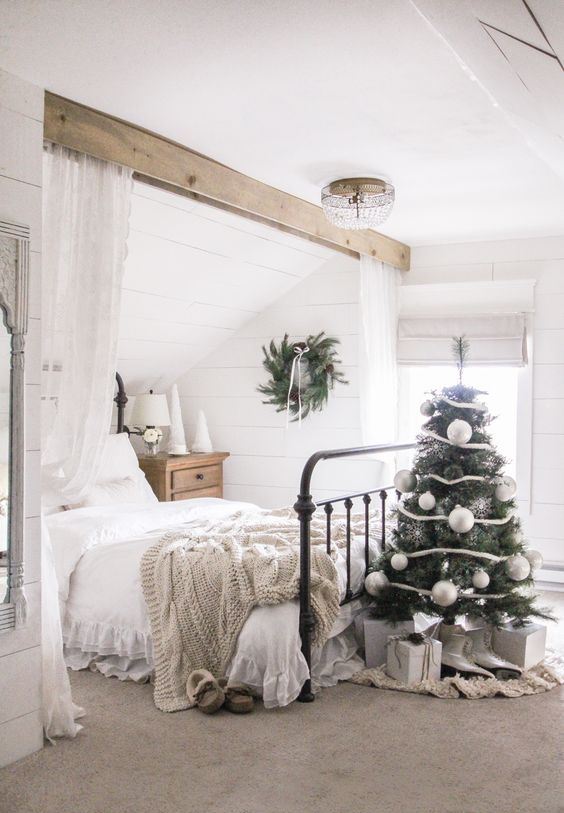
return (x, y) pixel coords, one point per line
(97, 554)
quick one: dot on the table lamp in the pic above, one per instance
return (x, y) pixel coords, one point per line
(150, 413)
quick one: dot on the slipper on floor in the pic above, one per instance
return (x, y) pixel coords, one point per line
(204, 691)
(238, 697)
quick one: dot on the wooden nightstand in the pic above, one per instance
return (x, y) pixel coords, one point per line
(185, 477)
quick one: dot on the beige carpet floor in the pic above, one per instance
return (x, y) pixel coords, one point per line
(355, 749)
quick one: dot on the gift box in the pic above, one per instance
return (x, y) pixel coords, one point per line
(413, 658)
(376, 634)
(524, 646)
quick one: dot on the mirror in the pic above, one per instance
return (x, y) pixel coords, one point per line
(14, 264)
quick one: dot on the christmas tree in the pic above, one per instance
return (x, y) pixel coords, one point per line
(458, 547)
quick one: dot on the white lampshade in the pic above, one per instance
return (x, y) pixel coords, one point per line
(150, 409)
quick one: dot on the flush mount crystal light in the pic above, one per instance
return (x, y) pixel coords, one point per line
(357, 203)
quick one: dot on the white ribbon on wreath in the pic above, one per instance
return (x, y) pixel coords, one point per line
(299, 351)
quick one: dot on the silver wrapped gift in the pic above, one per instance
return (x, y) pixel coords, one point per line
(524, 646)
(376, 634)
(413, 658)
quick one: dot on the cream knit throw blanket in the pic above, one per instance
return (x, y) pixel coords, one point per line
(200, 586)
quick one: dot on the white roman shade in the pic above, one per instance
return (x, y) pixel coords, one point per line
(490, 315)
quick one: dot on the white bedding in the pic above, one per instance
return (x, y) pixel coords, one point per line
(97, 553)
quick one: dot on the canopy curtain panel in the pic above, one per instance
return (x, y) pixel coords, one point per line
(85, 225)
(379, 298)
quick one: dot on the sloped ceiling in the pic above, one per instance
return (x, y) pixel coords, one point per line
(514, 50)
(193, 275)
(300, 92)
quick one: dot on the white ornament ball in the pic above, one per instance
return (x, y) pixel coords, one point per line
(517, 568)
(444, 593)
(426, 501)
(534, 558)
(459, 432)
(399, 561)
(427, 408)
(405, 481)
(375, 582)
(480, 579)
(461, 520)
(506, 488)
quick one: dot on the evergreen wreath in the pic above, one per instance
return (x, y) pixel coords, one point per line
(319, 373)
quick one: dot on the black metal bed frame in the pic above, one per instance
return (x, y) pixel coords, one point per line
(120, 401)
(305, 507)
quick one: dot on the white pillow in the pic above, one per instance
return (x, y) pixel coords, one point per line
(113, 492)
(119, 462)
(120, 480)
(118, 459)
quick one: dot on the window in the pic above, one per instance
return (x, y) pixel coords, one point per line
(496, 319)
(500, 384)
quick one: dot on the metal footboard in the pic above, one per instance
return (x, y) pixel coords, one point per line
(305, 507)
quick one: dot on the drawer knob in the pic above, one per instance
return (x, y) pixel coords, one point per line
(199, 477)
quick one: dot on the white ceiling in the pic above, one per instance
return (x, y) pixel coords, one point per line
(297, 92)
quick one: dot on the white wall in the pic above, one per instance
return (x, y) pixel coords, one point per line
(541, 259)
(266, 457)
(21, 139)
(193, 275)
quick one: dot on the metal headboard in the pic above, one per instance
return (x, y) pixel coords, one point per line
(120, 401)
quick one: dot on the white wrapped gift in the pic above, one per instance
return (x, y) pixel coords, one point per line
(524, 646)
(412, 661)
(376, 634)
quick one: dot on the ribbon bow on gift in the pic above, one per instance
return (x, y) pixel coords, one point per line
(299, 350)
(417, 639)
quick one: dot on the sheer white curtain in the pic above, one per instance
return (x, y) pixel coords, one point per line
(378, 366)
(86, 206)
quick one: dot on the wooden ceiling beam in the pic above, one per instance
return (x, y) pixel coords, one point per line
(157, 159)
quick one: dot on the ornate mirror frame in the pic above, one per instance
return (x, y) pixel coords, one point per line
(14, 275)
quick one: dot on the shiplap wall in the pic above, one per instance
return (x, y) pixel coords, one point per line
(541, 259)
(266, 457)
(21, 140)
(193, 276)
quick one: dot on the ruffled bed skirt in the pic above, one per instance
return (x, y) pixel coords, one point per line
(540, 678)
(104, 639)
(276, 672)
(115, 652)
